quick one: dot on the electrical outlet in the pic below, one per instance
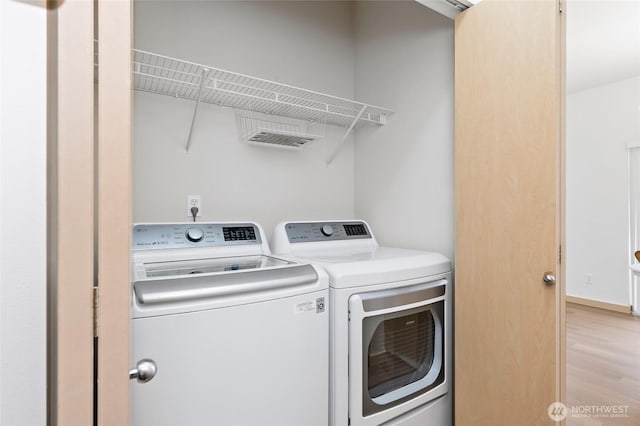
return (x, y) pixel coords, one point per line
(194, 201)
(589, 279)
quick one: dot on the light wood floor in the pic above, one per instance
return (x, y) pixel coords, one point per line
(603, 363)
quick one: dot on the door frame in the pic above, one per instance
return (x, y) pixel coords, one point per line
(70, 238)
(114, 201)
(89, 216)
(561, 316)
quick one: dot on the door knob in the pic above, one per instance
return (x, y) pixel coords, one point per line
(145, 370)
(549, 278)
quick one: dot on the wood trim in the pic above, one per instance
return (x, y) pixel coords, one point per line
(114, 208)
(71, 224)
(625, 309)
(561, 313)
(71, 175)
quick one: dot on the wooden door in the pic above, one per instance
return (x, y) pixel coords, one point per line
(509, 60)
(114, 188)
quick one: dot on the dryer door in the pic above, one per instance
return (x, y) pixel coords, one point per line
(397, 350)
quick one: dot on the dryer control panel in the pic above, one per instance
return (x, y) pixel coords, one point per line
(166, 236)
(298, 232)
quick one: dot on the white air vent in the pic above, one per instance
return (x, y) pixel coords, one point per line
(274, 131)
(281, 139)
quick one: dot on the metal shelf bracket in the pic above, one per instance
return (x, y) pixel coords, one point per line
(203, 79)
(344, 137)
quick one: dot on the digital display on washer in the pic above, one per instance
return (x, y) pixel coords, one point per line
(239, 233)
(352, 230)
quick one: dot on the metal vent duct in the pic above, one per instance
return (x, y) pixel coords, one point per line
(449, 8)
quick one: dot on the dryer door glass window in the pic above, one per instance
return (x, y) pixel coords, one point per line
(402, 355)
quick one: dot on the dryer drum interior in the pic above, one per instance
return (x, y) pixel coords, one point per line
(402, 356)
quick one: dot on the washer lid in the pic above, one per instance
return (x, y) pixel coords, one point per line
(351, 268)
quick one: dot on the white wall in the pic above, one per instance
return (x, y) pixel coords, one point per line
(396, 54)
(306, 44)
(23, 259)
(600, 123)
(404, 170)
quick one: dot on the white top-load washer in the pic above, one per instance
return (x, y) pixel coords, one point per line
(223, 333)
(391, 318)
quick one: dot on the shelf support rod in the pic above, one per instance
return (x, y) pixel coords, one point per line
(205, 74)
(344, 137)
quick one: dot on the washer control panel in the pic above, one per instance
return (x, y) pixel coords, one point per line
(165, 236)
(326, 231)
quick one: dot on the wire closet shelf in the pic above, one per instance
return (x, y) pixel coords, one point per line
(175, 77)
(188, 80)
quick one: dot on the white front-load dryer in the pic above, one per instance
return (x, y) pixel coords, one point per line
(390, 324)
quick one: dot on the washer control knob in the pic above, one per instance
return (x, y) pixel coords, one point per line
(327, 230)
(194, 234)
